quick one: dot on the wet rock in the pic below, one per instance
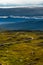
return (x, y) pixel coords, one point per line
(0, 64)
(1, 44)
(41, 37)
(40, 44)
(36, 59)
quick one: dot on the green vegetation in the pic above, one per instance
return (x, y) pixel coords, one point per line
(21, 48)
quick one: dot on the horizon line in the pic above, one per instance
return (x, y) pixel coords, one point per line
(29, 6)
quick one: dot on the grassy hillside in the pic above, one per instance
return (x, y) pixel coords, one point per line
(21, 48)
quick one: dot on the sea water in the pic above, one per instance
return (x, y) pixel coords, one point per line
(17, 20)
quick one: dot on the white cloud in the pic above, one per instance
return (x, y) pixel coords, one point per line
(20, 1)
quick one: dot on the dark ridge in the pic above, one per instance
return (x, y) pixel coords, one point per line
(21, 31)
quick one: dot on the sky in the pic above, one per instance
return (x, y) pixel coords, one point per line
(21, 2)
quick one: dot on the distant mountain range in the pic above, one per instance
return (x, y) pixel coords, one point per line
(24, 11)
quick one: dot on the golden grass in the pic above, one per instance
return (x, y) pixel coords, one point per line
(21, 48)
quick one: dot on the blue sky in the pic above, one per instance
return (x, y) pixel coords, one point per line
(20, 2)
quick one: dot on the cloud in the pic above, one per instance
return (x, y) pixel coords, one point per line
(20, 1)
